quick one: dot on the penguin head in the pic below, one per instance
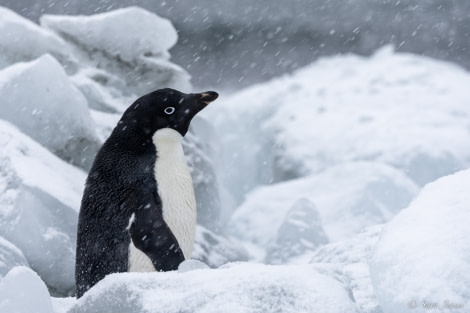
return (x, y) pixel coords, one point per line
(167, 108)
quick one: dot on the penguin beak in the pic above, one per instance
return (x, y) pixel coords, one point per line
(197, 102)
(191, 105)
(208, 96)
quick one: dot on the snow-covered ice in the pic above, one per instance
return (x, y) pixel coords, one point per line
(115, 32)
(349, 197)
(62, 305)
(238, 287)
(39, 98)
(201, 149)
(356, 249)
(23, 291)
(191, 265)
(216, 249)
(350, 258)
(104, 92)
(10, 256)
(108, 41)
(423, 255)
(404, 110)
(23, 40)
(39, 200)
(301, 231)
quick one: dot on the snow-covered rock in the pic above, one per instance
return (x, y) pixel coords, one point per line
(356, 249)
(10, 257)
(400, 109)
(236, 288)
(349, 197)
(39, 200)
(23, 40)
(301, 231)
(22, 291)
(108, 41)
(216, 249)
(350, 258)
(39, 99)
(422, 260)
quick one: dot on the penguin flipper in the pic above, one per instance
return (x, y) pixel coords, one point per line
(151, 234)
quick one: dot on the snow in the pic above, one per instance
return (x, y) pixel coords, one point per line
(32, 164)
(39, 200)
(423, 255)
(349, 197)
(115, 32)
(356, 249)
(10, 257)
(22, 291)
(214, 249)
(191, 265)
(238, 287)
(201, 149)
(39, 99)
(108, 98)
(403, 110)
(300, 231)
(105, 122)
(350, 259)
(22, 40)
(107, 42)
(62, 305)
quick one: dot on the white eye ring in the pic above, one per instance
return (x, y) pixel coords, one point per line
(169, 110)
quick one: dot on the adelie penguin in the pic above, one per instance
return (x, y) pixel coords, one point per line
(138, 211)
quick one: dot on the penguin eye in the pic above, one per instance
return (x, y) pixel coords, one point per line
(169, 110)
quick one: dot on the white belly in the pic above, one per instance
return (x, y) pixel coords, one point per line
(175, 188)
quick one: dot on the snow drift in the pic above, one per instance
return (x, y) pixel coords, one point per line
(423, 254)
(233, 288)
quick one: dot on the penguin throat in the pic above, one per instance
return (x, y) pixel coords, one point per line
(175, 188)
(167, 136)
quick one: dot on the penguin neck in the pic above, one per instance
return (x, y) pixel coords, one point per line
(169, 145)
(167, 137)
